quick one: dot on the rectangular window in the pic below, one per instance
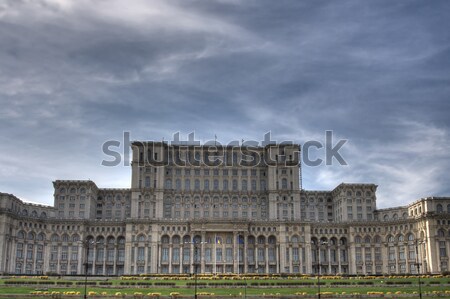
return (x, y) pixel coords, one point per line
(208, 255)
(30, 252)
(186, 254)
(141, 254)
(250, 255)
(295, 255)
(176, 254)
(261, 255)
(121, 255)
(165, 254)
(229, 254)
(219, 254)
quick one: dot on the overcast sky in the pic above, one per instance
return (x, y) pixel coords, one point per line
(74, 74)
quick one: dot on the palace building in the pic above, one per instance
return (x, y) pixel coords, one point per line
(220, 209)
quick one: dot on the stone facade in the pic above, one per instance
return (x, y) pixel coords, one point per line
(220, 210)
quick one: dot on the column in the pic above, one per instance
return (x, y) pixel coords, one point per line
(202, 252)
(192, 258)
(158, 263)
(256, 257)
(338, 249)
(170, 257)
(245, 252)
(80, 268)
(266, 253)
(105, 253)
(308, 255)
(115, 256)
(181, 258)
(278, 258)
(329, 259)
(235, 253)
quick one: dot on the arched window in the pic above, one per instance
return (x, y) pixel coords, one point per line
(197, 185)
(34, 214)
(40, 237)
(20, 235)
(294, 239)
(216, 185)
(390, 239)
(358, 240)
(225, 185)
(110, 240)
(187, 184)
(178, 184)
(367, 240)
(386, 217)
(401, 238)
(235, 185)
(168, 184)
(165, 239)
(65, 238)
(377, 239)
(395, 217)
(410, 237)
(284, 184)
(54, 238)
(43, 215)
(24, 212)
(176, 239)
(62, 191)
(73, 190)
(448, 208)
(261, 240)
(441, 233)
(141, 238)
(82, 190)
(439, 208)
(206, 187)
(272, 240)
(75, 238)
(343, 241)
(30, 236)
(244, 185)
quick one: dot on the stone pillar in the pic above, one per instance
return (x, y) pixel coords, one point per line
(339, 258)
(308, 254)
(266, 254)
(170, 257)
(235, 253)
(245, 252)
(192, 258)
(329, 259)
(80, 268)
(202, 252)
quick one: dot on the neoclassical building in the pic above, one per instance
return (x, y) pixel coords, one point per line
(220, 209)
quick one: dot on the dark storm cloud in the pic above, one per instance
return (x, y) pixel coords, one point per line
(74, 74)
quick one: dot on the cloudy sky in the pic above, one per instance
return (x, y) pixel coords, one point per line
(74, 74)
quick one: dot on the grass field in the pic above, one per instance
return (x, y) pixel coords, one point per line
(255, 287)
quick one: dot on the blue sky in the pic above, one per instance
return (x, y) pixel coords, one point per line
(74, 74)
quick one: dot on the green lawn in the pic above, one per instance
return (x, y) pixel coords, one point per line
(379, 284)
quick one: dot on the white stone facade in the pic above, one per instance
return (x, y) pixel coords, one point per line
(221, 210)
